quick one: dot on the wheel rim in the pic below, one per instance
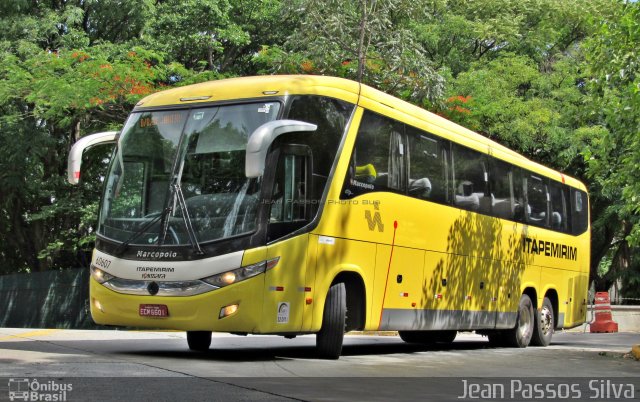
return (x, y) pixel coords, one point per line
(546, 320)
(525, 322)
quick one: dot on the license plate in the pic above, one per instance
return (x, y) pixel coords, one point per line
(153, 310)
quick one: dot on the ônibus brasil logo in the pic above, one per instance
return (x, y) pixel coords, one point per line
(24, 389)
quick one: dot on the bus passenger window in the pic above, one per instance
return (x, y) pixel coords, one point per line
(518, 194)
(536, 210)
(579, 212)
(503, 197)
(558, 194)
(377, 162)
(470, 180)
(427, 166)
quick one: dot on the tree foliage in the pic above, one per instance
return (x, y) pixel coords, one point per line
(56, 87)
(369, 41)
(613, 158)
(555, 80)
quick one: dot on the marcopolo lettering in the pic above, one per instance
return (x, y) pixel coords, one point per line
(156, 254)
(360, 184)
(550, 249)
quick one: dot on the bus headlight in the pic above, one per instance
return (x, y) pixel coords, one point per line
(99, 275)
(240, 274)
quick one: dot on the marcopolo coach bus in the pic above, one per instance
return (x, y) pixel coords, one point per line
(295, 205)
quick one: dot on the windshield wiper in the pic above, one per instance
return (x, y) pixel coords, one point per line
(121, 249)
(193, 239)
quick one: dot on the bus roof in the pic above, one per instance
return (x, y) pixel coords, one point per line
(280, 85)
(254, 88)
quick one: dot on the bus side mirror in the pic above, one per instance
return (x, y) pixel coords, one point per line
(263, 136)
(84, 143)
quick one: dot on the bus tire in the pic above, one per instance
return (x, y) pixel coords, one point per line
(428, 337)
(329, 339)
(544, 324)
(199, 341)
(520, 335)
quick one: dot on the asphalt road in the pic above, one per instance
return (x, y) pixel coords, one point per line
(134, 365)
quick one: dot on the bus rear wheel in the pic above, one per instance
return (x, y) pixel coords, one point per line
(520, 336)
(199, 340)
(428, 337)
(329, 339)
(544, 324)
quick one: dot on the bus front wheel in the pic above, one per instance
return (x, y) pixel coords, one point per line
(199, 340)
(329, 339)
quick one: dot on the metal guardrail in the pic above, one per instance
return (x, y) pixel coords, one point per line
(52, 299)
(618, 307)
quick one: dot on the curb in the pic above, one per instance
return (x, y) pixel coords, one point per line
(635, 351)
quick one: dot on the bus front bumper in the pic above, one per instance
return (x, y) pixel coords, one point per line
(203, 312)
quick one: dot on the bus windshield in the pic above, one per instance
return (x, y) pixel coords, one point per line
(199, 153)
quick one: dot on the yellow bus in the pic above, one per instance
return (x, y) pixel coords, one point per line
(295, 205)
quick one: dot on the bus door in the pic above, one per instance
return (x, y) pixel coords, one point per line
(290, 210)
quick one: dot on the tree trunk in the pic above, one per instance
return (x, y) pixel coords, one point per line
(361, 50)
(621, 260)
(210, 57)
(21, 239)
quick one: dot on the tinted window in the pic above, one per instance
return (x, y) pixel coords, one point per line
(503, 201)
(536, 210)
(518, 194)
(579, 211)
(377, 163)
(559, 195)
(331, 116)
(470, 180)
(427, 166)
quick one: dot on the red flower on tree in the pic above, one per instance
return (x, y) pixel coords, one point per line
(307, 66)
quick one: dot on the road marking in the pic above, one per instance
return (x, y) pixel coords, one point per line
(30, 334)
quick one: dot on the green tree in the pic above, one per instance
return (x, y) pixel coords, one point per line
(455, 33)
(512, 101)
(555, 80)
(367, 40)
(57, 86)
(74, 67)
(613, 158)
(116, 21)
(196, 32)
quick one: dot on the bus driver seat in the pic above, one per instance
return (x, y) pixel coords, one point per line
(420, 187)
(366, 173)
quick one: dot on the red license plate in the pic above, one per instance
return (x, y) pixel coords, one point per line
(153, 310)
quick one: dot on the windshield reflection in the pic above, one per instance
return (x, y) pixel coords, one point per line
(200, 150)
